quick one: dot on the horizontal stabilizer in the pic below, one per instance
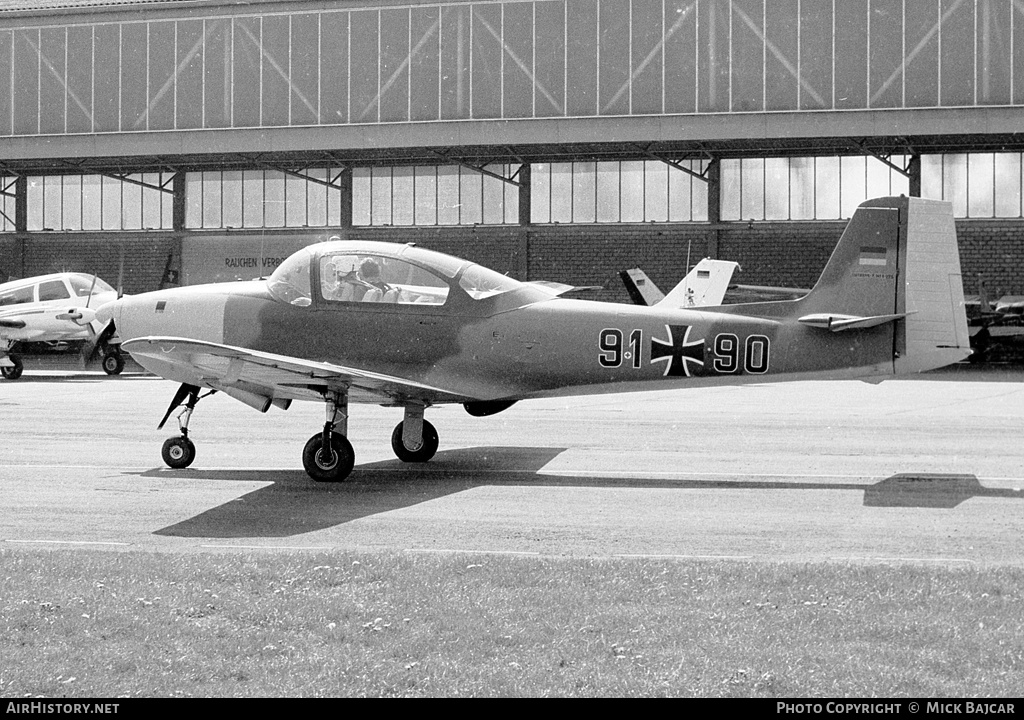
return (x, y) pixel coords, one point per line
(838, 323)
(557, 288)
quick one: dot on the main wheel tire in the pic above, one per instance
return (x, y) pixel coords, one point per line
(422, 453)
(113, 363)
(13, 373)
(333, 469)
(178, 452)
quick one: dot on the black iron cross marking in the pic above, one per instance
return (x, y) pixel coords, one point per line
(679, 351)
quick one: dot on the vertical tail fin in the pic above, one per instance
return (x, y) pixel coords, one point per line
(897, 262)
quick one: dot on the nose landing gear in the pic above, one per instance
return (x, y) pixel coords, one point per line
(179, 452)
(14, 370)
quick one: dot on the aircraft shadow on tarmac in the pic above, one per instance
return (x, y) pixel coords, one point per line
(292, 504)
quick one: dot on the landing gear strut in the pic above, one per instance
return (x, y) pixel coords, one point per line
(328, 456)
(179, 452)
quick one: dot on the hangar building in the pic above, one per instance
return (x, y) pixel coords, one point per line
(157, 142)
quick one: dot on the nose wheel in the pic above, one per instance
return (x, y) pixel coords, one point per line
(113, 362)
(14, 370)
(178, 452)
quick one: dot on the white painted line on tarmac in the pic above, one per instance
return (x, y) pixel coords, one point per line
(868, 558)
(650, 556)
(453, 551)
(268, 547)
(68, 542)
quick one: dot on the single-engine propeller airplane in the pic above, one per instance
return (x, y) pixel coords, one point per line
(60, 307)
(403, 326)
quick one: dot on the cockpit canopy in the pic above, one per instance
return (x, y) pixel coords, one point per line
(348, 272)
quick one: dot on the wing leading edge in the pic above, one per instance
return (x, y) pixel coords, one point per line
(260, 379)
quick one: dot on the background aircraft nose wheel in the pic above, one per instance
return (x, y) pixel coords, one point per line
(113, 363)
(421, 454)
(333, 469)
(178, 452)
(13, 373)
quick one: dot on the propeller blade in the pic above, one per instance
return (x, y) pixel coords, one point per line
(91, 288)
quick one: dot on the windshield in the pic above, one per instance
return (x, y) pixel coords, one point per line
(481, 282)
(84, 285)
(290, 281)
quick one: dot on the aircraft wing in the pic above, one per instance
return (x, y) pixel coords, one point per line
(258, 378)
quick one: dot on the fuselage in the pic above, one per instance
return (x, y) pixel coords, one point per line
(518, 345)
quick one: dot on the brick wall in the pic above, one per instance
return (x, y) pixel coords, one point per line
(787, 254)
(996, 249)
(143, 259)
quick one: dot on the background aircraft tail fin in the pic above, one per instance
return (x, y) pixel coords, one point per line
(898, 262)
(641, 289)
(703, 286)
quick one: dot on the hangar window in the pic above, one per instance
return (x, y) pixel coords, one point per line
(435, 195)
(7, 204)
(612, 192)
(979, 185)
(139, 201)
(817, 188)
(263, 198)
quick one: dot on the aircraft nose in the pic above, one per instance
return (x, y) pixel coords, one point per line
(109, 311)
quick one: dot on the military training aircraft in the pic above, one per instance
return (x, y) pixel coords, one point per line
(403, 326)
(55, 308)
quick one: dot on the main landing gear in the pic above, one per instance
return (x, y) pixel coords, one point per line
(327, 456)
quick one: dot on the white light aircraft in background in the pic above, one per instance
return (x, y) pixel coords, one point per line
(60, 307)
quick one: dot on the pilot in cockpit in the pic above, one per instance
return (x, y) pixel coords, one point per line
(377, 290)
(341, 281)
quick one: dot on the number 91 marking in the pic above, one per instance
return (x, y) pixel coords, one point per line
(612, 351)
